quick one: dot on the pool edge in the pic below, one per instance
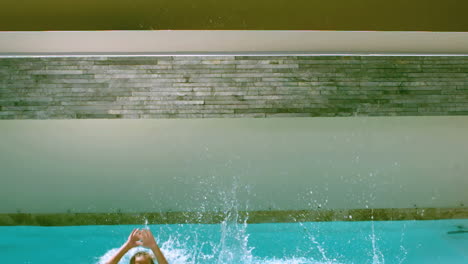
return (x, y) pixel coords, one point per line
(381, 214)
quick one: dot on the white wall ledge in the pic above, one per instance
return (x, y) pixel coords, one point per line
(231, 42)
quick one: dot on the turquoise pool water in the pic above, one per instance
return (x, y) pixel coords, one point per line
(293, 243)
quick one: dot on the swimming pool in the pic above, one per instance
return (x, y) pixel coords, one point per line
(376, 242)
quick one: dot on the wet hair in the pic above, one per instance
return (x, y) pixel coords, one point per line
(141, 253)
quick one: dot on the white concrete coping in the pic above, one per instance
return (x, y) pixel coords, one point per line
(230, 42)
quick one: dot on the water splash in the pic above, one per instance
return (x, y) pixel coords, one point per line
(377, 255)
(402, 248)
(229, 241)
(233, 245)
(125, 259)
(177, 255)
(317, 245)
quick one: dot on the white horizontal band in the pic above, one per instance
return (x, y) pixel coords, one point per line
(231, 42)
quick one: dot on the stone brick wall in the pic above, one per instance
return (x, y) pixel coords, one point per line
(232, 86)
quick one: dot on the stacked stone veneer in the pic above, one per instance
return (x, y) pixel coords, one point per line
(232, 86)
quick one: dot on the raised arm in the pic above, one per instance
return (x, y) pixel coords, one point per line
(132, 241)
(149, 242)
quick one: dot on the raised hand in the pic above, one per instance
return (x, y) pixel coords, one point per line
(134, 239)
(147, 239)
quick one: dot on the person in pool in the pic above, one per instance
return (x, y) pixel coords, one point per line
(142, 238)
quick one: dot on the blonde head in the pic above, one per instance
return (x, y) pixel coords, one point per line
(142, 257)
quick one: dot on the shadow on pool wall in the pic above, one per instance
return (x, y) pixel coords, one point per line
(95, 172)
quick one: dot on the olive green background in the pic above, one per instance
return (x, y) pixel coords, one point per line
(381, 15)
